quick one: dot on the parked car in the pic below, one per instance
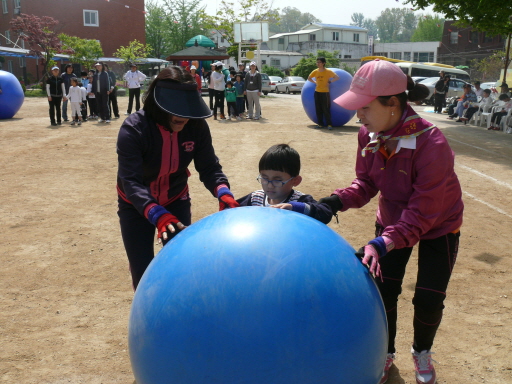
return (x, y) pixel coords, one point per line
(456, 88)
(273, 81)
(417, 79)
(265, 83)
(290, 84)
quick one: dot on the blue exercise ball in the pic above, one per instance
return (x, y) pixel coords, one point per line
(339, 115)
(257, 295)
(12, 96)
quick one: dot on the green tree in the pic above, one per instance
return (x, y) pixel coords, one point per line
(359, 20)
(185, 19)
(134, 51)
(306, 65)
(492, 17)
(157, 30)
(395, 25)
(292, 19)
(271, 71)
(81, 51)
(430, 28)
(488, 68)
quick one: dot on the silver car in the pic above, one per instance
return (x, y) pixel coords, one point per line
(265, 83)
(456, 88)
(273, 82)
(290, 84)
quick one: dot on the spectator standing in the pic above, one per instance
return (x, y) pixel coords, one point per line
(441, 88)
(91, 98)
(133, 79)
(323, 77)
(66, 77)
(478, 91)
(211, 89)
(56, 91)
(75, 97)
(101, 87)
(231, 93)
(240, 97)
(197, 78)
(252, 88)
(112, 96)
(219, 84)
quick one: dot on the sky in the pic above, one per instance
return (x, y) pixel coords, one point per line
(333, 11)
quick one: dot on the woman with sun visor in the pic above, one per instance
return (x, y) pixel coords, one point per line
(155, 146)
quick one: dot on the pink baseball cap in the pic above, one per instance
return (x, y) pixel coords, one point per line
(375, 78)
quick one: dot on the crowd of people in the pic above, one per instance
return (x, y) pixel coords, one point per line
(474, 100)
(92, 95)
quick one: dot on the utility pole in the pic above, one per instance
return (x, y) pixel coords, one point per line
(507, 59)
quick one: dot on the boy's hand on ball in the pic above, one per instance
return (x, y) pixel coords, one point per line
(283, 206)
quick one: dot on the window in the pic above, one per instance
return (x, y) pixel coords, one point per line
(335, 36)
(4, 6)
(347, 56)
(275, 62)
(280, 40)
(91, 18)
(407, 56)
(263, 62)
(356, 37)
(473, 37)
(488, 38)
(17, 3)
(424, 57)
(9, 66)
(7, 37)
(385, 54)
(22, 62)
(222, 39)
(454, 37)
(312, 37)
(396, 55)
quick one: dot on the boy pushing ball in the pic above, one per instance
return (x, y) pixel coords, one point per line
(279, 173)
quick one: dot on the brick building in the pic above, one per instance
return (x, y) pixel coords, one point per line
(461, 45)
(113, 22)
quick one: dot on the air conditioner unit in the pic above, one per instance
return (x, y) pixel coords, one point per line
(17, 11)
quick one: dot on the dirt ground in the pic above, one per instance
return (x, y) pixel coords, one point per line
(65, 288)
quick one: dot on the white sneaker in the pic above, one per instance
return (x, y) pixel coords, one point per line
(423, 367)
(107, 121)
(101, 121)
(238, 118)
(390, 358)
(126, 114)
(229, 117)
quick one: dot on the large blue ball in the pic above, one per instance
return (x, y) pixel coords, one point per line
(257, 295)
(339, 115)
(12, 96)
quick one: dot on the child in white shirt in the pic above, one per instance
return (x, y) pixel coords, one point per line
(76, 98)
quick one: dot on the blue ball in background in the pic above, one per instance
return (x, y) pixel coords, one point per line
(339, 115)
(12, 96)
(257, 295)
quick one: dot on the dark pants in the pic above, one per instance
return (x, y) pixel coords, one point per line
(133, 93)
(323, 107)
(232, 107)
(470, 112)
(496, 117)
(219, 102)
(439, 100)
(211, 95)
(92, 106)
(102, 105)
(112, 101)
(139, 234)
(240, 104)
(436, 259)
(55, 109)
(451, 108)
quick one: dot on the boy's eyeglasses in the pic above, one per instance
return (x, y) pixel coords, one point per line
(274, 183)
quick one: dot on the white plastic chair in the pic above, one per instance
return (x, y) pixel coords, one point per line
(486, 116)
(505, 120)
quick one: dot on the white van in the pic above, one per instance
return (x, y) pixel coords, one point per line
(432, 70)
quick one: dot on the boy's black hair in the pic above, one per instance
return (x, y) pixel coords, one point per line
(487, 91)
(321, 59)
(80, 84)
(229, 83)
(83, 73)
(281, 157)
(74, 79)
(504, 96)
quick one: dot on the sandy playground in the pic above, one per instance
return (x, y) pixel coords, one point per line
(65, 290)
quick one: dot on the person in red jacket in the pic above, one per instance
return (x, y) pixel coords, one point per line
(155, 147)
(408, 160)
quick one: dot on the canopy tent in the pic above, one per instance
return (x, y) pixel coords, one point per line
(200, 40)
(20, 52)
(197, 53)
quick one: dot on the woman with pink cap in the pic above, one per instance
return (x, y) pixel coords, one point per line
(408, 160)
